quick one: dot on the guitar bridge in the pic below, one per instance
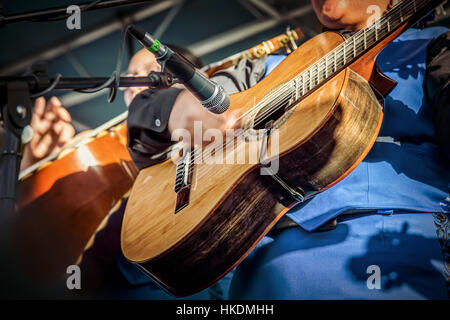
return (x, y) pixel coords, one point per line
(297, 193)
(183, 180)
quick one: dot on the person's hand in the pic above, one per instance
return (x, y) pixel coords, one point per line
(187, 111)
(51, 130)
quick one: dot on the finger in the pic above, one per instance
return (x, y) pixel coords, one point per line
(51, 123)
(40, 125)
(50, 114)
(44, 115)
(38, 112)
(58, 127)
(59, 111)
(51, 111)
(41, 148)
(66, 135)
(234, 120)
(62, 132)
(39, 107)
(63, 114)
(54, 103)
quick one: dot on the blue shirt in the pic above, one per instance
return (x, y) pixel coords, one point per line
(405, 169)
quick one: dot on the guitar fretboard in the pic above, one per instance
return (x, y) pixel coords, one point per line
(353, 47)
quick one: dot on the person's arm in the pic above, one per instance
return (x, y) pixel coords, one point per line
(153, 117)
(147, 125)
(437, 88)
(155, 114)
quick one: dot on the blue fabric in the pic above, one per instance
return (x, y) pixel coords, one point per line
(402, 172)
(405, 170)
(297, 264)
(272, 62)
(404, 179)
(143, 287)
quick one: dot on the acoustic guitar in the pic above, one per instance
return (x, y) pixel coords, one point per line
(287, 41)
(66, 198)
(188, 223)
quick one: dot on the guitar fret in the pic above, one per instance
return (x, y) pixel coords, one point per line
(345, 55)
(383, 29)
(318, 73)
(310, 79)
(331, 65)
(376, 32)
(352, 48)
(373, 37)
(325, 73)
(325, 70)
(370, 37)
(315, 72)
(319, 78)
(365, 40)
(335, 64)
(303, 85)
(356, 44)
(401, 14)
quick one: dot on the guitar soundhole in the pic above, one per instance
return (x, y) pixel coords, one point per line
(273, 111)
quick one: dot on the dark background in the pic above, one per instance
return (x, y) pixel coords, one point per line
(213, 29)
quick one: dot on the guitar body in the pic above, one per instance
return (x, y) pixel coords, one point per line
(232, 206)
(64, 201)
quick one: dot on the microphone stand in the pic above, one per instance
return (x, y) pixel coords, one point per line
(16, 114)
(16, 94)
(15, 97)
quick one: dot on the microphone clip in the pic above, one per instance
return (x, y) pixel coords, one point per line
(164, 58)
(162, 80)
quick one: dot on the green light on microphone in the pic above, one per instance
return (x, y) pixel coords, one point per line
(155, 47)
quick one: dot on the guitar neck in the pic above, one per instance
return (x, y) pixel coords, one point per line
(286, 40)
(405, 13)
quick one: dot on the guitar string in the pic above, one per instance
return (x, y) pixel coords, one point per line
(287, 94)
(325, 59)
(341, 61)
(340, 48)
(354, 40)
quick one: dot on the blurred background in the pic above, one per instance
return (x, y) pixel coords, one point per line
(211, 29)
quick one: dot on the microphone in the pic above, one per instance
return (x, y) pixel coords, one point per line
(211, 95)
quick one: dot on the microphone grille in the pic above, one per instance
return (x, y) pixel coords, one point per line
(219, 103)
